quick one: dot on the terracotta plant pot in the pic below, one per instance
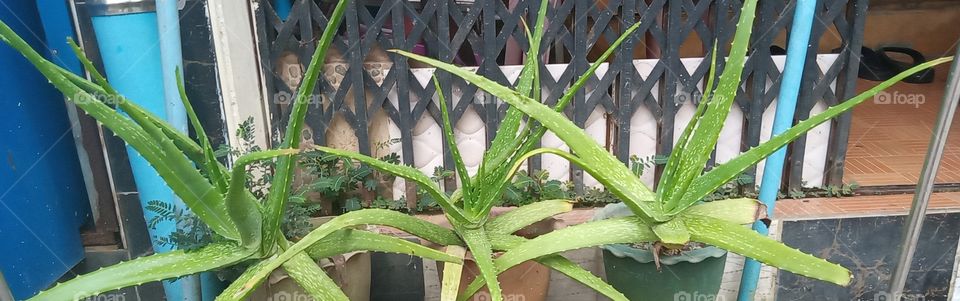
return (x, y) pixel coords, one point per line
(351, 272)
(528, 281)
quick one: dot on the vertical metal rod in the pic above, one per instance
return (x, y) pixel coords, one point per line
(931, 164)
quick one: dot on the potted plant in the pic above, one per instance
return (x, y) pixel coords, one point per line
(642, 271)
(246, 232)
(670, 217)
(674, 215)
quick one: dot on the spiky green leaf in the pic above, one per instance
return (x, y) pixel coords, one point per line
(615, 176)
(723, 173)
(741, 240)
(283, 175)
(146, 269)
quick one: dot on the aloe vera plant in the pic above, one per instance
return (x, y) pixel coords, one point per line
(217, 195)
(674, 214)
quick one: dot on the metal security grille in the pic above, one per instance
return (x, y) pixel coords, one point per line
(658, 72)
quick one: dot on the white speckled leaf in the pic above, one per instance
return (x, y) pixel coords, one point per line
(146, 269)
(744, 241)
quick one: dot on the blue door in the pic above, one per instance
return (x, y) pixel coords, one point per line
(43, 201)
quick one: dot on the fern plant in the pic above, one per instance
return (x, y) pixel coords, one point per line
(245, 231)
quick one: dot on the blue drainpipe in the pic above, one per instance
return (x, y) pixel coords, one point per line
(137, 62)
(282, 7)
(786, 105)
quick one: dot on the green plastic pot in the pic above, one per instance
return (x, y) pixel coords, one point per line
(691, 275)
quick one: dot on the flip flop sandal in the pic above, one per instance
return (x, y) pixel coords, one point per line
(874, 67)
(922, 77)
(777, 50)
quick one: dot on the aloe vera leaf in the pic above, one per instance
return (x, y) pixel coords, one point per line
(168, 146)
(708, 127)
(479, 245)
(189, 147)
(738, 211)
(720, 175)
(452, 142)
(556, 262)
(283, 175)
(516, 219)
(241, 206)
(169, 162)
(88, 65)
(423, 181)
(349, 240)
(506, 139)
(672, 232)
(384, 217)
(241, 287)
(313, 279)
(615, 176)
(603, 232)
(209, 163)
(744, 241)
(450, 284)
(531, 141)
(582, 80)
(146, 269)
(669, 171)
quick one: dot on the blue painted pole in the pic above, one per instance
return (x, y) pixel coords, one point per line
(128, 35)
(282, 7)
(206, 286)
(786, 106)
(171, 60)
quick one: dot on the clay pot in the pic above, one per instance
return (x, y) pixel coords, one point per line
(528, 281)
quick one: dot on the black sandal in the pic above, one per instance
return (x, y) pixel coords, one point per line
(874, 67)
(922, 77)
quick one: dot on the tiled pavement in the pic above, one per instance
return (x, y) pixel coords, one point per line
(861, 206)
(888, 142)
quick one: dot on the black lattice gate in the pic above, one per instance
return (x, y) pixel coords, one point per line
(655, 73)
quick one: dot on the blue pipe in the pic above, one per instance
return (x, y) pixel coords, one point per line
(171, 60)
(205, 286)
(786, 106)
(282, 7)
(128, 43)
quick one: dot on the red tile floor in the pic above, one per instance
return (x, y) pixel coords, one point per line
(888, 142)
(873, 205)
